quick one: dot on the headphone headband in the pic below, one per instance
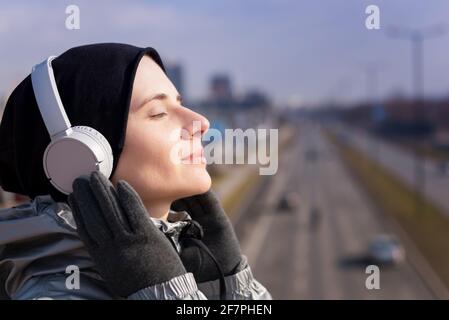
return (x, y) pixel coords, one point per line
(48, 99)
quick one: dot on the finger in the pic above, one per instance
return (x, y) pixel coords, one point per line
(210, 202)
(108, 200)
(89, 211)
(180, 205)
(192, 205)
(196, 206)
(213, 217)
(138, 216)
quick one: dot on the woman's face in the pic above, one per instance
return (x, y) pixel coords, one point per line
(160, 134)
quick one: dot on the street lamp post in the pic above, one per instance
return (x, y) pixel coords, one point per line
(372, 81)
(417, 38)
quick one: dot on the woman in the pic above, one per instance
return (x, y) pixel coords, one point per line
(155, 230)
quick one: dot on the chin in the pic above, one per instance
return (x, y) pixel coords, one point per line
(198, 182)
(206, 185)
(203, 182)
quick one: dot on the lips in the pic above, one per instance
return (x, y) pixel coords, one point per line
(196, 154)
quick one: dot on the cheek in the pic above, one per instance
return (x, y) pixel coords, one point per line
(144, 161)
(149, 153)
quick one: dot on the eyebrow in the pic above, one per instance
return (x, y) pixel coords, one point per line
(158, 96)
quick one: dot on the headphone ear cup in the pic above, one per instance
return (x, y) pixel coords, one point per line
(108, 161)
(79, 152)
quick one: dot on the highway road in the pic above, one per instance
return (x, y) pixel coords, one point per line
(318, 251)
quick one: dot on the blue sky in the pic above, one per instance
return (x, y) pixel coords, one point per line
(307, 51)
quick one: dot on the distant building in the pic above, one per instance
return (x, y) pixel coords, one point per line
(220, 88)
(255, 99)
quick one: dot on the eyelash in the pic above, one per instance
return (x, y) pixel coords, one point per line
(160, 115)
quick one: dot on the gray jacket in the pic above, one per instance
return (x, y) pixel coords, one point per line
(41, 256)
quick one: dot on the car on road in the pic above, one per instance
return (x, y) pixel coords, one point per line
(386, 249)
(289, 201)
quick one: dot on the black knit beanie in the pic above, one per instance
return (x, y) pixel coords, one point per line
(95, 84)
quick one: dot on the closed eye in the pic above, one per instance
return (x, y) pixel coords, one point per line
(159, 115)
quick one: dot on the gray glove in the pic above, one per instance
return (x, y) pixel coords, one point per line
(217, 234)
(127, 248)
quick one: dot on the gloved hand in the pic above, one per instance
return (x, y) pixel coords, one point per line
(218, 236)
(127, 248)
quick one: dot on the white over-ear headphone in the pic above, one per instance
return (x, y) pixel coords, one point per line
(73, 151)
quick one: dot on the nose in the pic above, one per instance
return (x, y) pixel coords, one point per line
(196, 124)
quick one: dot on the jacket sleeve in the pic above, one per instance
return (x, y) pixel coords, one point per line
(53, 287)
(240, 286)
(183, 287)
